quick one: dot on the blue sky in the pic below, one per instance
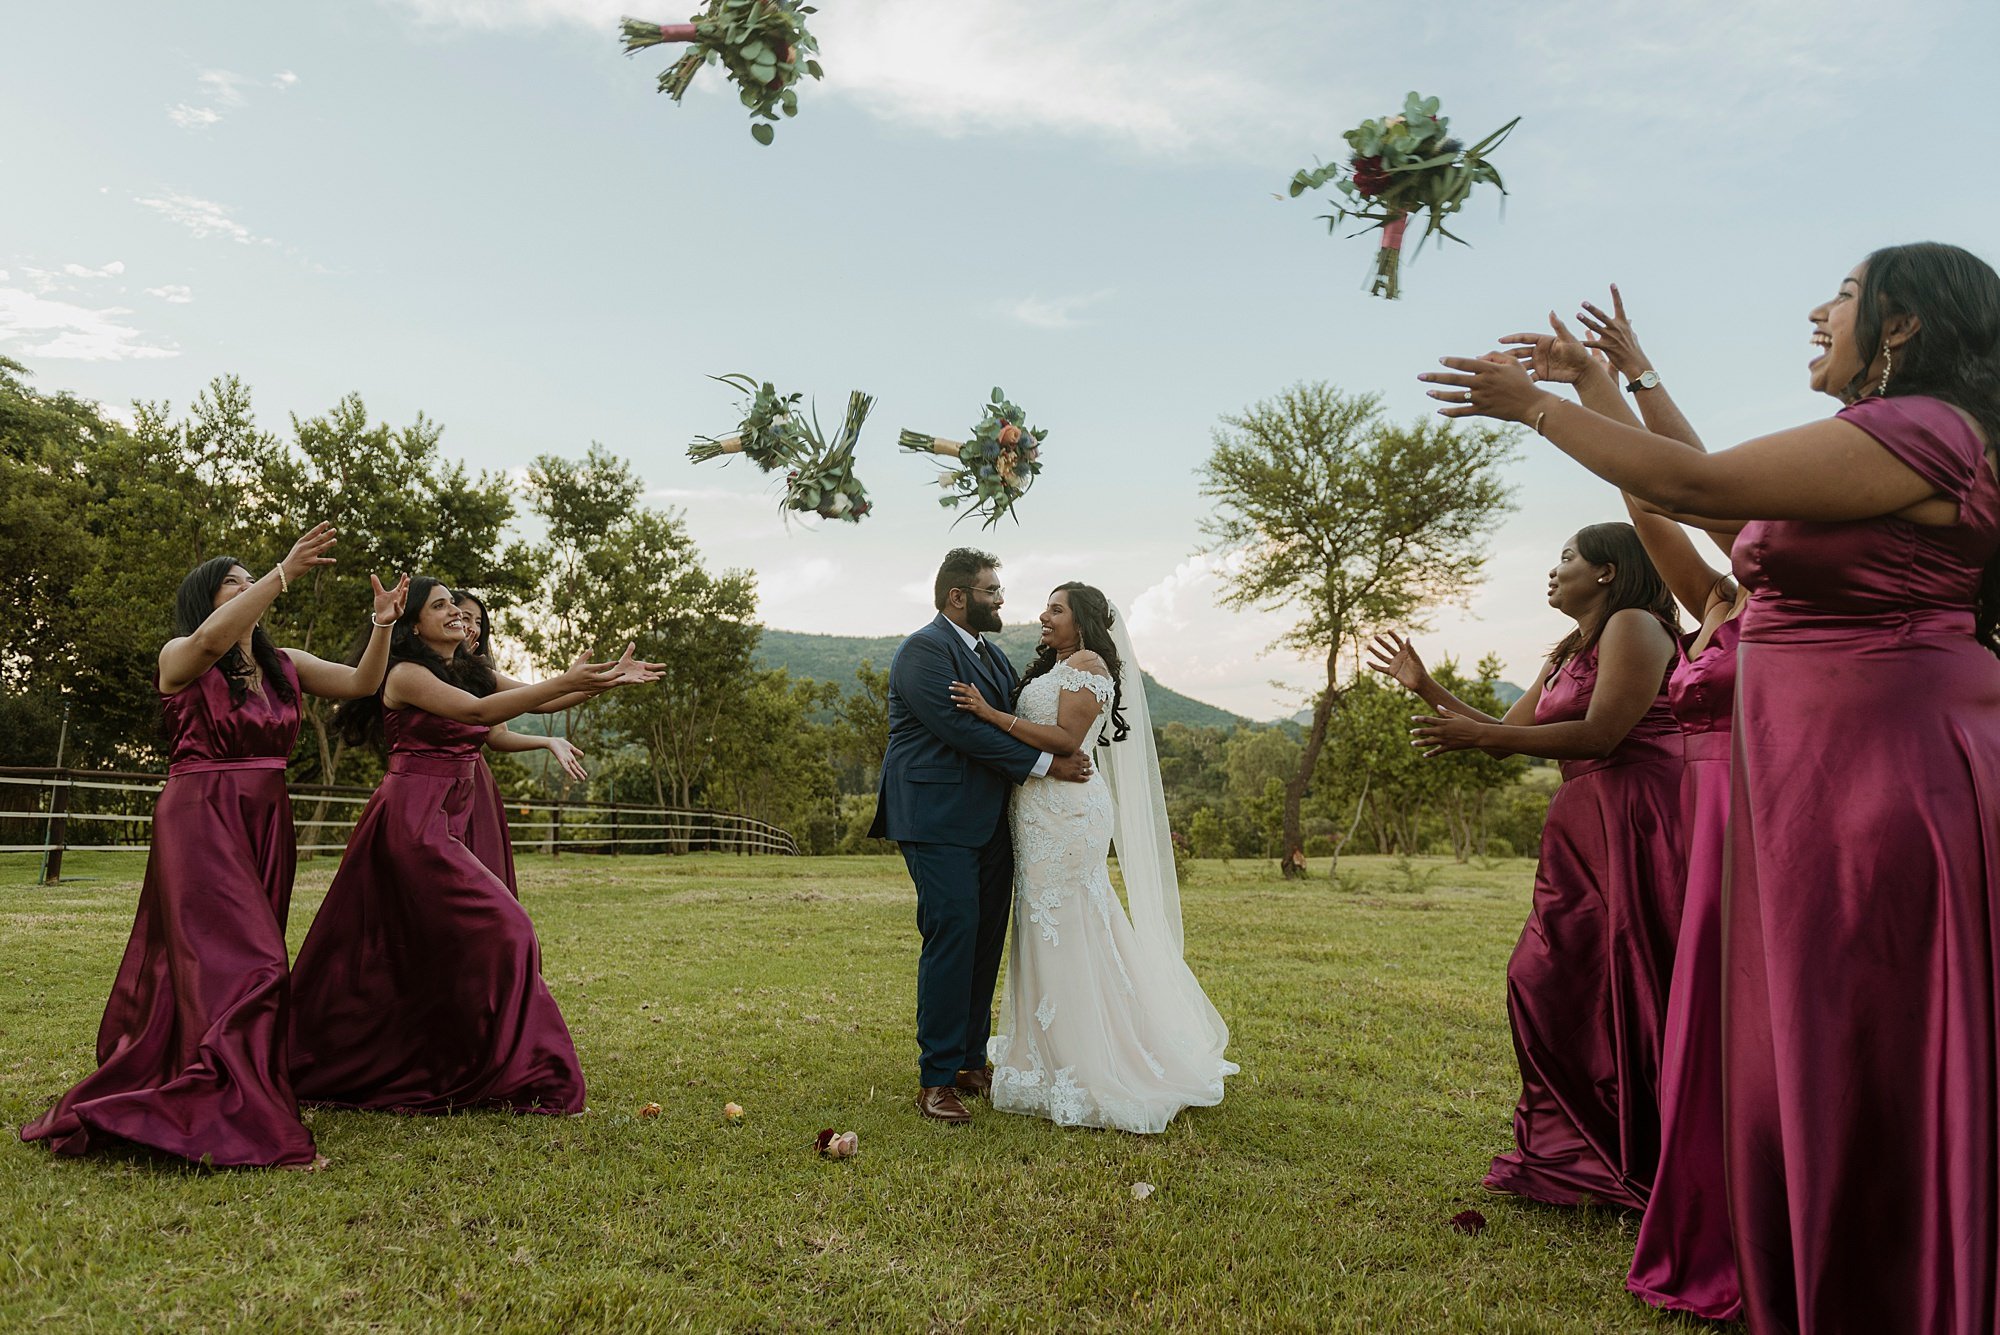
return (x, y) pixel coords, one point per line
(483, 212)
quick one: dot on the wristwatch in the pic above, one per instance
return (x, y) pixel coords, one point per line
(1648, 379)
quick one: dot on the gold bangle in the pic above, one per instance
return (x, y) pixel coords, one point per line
(284, 585)
(1538, 422)
(1010, 724)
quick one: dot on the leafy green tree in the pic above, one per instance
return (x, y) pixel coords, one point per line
(1350, 524)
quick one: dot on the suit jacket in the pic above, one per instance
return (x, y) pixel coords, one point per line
(946, 774)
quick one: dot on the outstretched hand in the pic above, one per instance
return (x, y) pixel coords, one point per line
(1494, 385)
(309, 551)
(968, 698)
(1558, 358)
(590, 678)
(389, 603)
(633, 671)
(1445, 731)
(1396, 658)
(569, 757)
(1613, 337)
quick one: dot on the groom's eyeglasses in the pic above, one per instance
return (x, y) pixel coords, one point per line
(994, 591)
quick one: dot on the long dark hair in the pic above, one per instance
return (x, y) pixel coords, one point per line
(1093, 614)
(1954, 355)
(194, 603)
(1635, 582)
(480, 645)
(360, 721)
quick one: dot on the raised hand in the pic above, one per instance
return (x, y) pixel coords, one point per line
(569, 757)
(633, 671)
(968, 698)
(1396, 658)
(389, 603)
(1494, 385)
(1444, 731)
(588, 677)
(1558, 358)
(309, 551)
(1612, 335)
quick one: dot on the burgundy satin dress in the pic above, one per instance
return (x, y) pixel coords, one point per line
(486, 832)
(419, 988)
(1686, 1259)
(1587, 985)
(1862, 957)
(191, 1050)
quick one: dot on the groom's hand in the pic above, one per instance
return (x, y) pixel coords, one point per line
(1073, 768)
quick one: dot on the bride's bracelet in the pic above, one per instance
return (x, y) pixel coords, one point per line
(1010, 724)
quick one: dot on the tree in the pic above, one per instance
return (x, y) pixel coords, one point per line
(1350, 524)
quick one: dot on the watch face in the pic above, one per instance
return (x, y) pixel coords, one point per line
(1648, 380)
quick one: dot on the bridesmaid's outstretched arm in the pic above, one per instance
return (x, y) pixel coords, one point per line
(186, 657)
(343, 681)
(1632, 657)
(412, 684)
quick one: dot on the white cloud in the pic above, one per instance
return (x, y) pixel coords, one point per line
(110, 270)
(35, 326)
(192, 118)
(174, 294)
(1186, 640)
(1055, 313)
(202, 217)
(284, 79)
(225, 88)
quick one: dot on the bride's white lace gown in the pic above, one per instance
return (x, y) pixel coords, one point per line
(1097, 1028)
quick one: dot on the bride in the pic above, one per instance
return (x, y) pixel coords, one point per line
(1103, 1024)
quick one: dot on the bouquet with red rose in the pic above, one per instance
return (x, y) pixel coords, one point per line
(1402, 165)
(762, 43)
(767, 435)
(995, 467)
(822, 479)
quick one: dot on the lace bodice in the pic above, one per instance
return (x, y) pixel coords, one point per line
(1042, 698)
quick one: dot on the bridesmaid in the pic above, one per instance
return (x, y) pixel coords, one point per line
(1685, 1258)
(1862, 1030)
(376, 1021)
(191, 1051)
(1587, 985)
(486, 830)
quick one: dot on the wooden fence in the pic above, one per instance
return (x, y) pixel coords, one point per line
(52, 811)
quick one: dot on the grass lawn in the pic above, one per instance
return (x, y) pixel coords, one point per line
(1377, 1081)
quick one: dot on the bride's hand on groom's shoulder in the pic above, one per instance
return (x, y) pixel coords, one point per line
(972, 702)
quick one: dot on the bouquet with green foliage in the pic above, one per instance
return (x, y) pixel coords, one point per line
(1402, 165)
(995, 468)
(762, 43)
(768, 434)
(822, 481)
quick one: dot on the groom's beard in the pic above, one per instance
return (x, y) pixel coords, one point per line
(980, 617)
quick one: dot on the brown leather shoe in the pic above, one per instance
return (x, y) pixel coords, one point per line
(978, 1084)
(941, 1102)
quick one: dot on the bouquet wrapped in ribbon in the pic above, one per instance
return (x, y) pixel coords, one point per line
(768, 434)
(995, 468)
(1402, 165)
(822, 479)
(762, 43)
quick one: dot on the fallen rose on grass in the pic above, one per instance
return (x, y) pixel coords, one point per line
(650, 1110)
(732, 1112)
(1469, 1222)
(1141, 1190)
(837, 1144)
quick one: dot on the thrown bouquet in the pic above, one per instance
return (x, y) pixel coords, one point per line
(768, 433)
(762, 43)
(822, 479)
(994, 468)
(1402, 165)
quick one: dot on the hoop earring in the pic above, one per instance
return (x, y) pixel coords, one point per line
(1888, 359)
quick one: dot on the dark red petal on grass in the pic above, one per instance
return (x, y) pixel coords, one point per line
(824, 1138)
(1468, 1222)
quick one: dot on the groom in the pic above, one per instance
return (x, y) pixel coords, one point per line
(945, 781)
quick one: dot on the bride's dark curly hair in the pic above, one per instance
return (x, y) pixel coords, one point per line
(1092, 611)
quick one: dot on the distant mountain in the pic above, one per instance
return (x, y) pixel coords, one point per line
(835, 657)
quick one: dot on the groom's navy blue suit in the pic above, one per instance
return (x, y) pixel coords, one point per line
(943, 798)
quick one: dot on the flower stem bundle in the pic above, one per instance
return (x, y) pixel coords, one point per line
(1399, 166)
(822, 479)
(767, 435)
(763, 44)
(994, 468)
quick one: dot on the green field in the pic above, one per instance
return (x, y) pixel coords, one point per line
(1377, 1080)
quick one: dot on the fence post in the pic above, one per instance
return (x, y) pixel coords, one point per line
(56, 832)
(555, 829)
(614, 829)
